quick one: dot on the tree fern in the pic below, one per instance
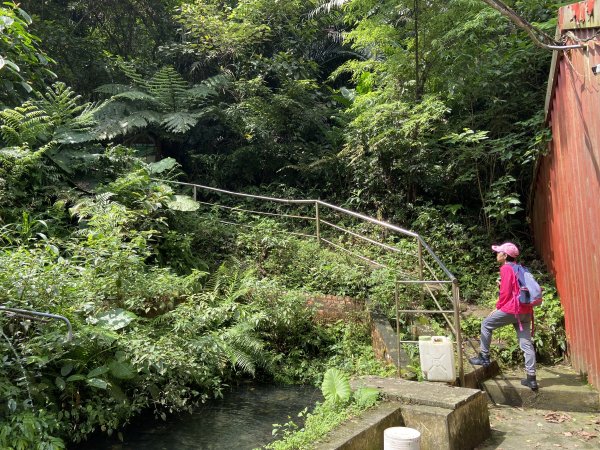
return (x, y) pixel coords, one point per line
(56, 115)
(164, 103)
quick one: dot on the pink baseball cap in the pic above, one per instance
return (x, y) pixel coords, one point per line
(508, 247)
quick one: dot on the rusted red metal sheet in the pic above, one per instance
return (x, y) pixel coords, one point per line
(565, 209)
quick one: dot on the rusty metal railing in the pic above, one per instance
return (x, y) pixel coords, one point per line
(39, 316)
(429, 274)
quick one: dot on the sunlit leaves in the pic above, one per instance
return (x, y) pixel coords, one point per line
(115, 319)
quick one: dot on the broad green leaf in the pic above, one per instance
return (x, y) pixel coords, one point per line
(66, 369)
(117, 393)
(26, 86)
(97, 383)
(98, 371)
(76, 377)
(11, 65)
(336, 386)
(154, 391)
(121, 370)
(60, 383)
(162, 165)
(115, 319)
(183, 203)
(25, 16)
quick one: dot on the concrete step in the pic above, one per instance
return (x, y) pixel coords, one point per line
(560, 389)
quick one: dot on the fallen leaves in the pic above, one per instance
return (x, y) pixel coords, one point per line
(582, 434)
(557, 417)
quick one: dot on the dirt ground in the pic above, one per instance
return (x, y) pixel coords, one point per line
(524, 428)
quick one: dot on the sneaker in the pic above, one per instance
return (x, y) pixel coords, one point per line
(530, 382)
(480, 360)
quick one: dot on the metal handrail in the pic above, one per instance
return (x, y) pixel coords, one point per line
(41, 316)
(454, 296)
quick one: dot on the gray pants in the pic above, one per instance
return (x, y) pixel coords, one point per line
(498, 319)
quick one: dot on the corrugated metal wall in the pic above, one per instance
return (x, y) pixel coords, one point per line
(565, 210)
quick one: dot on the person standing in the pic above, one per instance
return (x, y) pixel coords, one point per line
(509, 311)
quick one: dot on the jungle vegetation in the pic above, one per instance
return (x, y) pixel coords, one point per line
(423, 113)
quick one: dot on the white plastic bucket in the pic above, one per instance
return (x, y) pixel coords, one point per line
(401, 438)
(437, 358)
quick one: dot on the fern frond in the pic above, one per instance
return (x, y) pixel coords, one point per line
(60, 103)
(112, 89)
(209, 87)
(169, 88)
(179, 122)
(86, 119)
(129, 70)
(27, 123)
(137, 120)
(136, 95)
(10, 136)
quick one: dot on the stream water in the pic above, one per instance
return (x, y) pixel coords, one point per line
(242, 420)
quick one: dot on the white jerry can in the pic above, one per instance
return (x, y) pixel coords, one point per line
(437, 358)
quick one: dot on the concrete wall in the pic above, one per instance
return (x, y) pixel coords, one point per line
(330, 308)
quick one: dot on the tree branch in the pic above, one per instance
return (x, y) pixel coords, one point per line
(539, 38)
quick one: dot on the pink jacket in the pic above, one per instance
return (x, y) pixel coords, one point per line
(508, 300)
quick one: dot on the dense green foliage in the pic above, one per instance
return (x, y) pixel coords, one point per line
(423, 113)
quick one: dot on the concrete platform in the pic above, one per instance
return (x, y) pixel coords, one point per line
(448, 417)
(539, 429)
(560, 388)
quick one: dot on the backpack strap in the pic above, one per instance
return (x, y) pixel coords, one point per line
(516, 299)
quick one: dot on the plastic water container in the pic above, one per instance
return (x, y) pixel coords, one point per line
(437, 358)
(401, 438)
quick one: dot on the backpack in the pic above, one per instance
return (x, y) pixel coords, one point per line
(530, 290)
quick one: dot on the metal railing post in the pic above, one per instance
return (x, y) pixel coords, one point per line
(421, 268)
(458, 334)
(318, 224)
(195, 194)
(397, 301)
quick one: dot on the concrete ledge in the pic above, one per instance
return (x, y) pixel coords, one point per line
(475, 378)
(460, 429)
(420, 393)
(365, 432)
(448, 417)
